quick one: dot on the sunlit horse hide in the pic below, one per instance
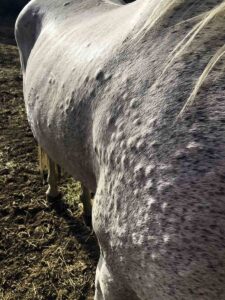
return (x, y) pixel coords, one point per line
(130, 99)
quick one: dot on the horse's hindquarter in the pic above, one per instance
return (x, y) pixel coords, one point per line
(159, 216)
(159, 207)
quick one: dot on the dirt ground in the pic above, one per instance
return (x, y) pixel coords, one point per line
(46, 251)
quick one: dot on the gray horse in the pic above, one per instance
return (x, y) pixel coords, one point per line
(130, 100)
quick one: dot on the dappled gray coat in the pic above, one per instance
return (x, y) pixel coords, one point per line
(129, 99)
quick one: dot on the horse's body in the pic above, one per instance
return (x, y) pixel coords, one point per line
(103, 101)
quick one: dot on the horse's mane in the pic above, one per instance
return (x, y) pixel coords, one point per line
(163, 7)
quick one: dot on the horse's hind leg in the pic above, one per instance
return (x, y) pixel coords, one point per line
(86, 200)
(43, 164)
(52, 190)
(109, 287)
(47, 166)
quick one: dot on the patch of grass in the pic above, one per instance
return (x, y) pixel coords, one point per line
(72, 192)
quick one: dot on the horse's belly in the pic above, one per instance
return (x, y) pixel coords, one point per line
(53, 123)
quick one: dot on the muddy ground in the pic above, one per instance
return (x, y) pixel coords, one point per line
(46, 251)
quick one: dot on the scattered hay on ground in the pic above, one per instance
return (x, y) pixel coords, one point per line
(46, 251)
